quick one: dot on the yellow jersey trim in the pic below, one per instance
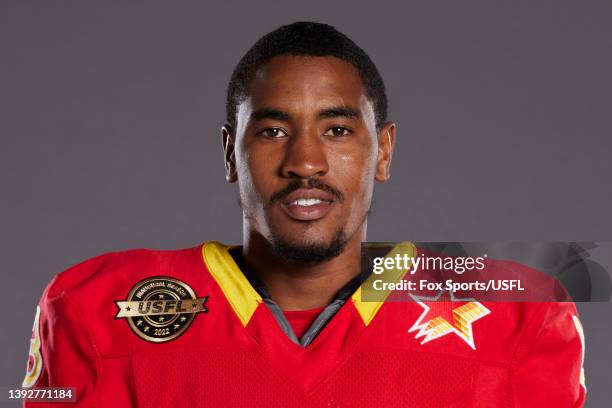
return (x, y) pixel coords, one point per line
(238, 291)
(368, 309)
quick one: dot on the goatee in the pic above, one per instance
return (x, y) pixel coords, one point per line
(308, 253)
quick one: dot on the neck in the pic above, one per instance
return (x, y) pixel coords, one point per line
(295, 286)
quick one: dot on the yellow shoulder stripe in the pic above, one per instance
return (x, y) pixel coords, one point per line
(235, 286)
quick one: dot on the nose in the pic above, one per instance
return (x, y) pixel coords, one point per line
(305, 157)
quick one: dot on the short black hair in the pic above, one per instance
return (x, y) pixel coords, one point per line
(310, 39)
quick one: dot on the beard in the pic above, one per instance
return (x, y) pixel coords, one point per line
(308, 253)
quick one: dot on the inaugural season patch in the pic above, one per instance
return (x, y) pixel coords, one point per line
(160, 308)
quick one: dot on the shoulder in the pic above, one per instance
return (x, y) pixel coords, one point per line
(506, 280)
(92, 300)
(109, 270)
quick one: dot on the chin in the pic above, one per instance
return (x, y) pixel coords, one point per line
(308, 251)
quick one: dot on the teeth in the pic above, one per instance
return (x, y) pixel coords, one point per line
(307, 201)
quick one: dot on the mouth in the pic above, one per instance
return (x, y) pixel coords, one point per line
(307, 204)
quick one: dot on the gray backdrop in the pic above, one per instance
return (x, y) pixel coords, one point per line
(110, 116)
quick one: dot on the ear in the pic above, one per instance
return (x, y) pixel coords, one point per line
(386, 142)
(227, 137)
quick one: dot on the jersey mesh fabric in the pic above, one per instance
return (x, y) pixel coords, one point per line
(246, 378)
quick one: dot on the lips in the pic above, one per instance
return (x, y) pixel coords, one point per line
(307, 204)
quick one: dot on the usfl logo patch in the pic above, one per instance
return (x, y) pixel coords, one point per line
(159, 309)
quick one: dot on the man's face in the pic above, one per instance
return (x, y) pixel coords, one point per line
(306, 152)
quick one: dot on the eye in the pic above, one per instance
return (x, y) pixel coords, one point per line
(337, 131)
(273, 133)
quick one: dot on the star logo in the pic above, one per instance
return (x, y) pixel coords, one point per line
(444, 314)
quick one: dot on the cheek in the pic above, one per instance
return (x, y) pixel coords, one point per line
(358, 171)
(255, 170)
(246, 178)
(359, 152)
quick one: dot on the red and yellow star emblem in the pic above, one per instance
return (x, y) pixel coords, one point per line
(444, 314)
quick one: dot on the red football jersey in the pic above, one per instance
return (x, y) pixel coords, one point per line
(186, 328)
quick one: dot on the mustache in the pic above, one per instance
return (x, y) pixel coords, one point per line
(310, 183)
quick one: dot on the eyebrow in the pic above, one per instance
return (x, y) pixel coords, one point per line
(268, 113)
(338, 112)
(330, 113)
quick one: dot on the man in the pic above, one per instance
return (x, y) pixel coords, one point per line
(281, 320)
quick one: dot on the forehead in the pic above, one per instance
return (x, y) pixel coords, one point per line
(298, 84)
